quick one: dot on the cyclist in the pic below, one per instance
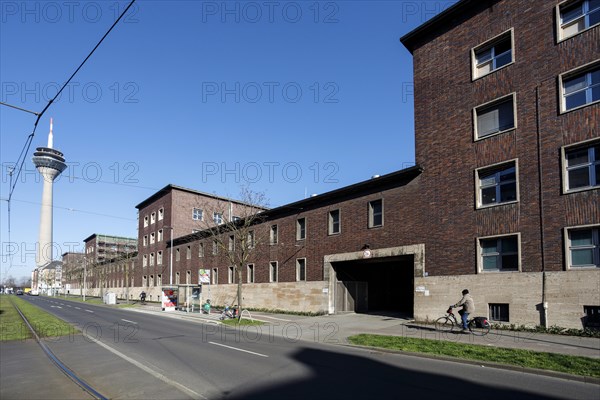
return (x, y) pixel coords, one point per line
(468, 307)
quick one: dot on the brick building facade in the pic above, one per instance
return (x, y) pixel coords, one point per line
(504, 199)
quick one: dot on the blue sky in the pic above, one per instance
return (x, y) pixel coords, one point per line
(293, 98)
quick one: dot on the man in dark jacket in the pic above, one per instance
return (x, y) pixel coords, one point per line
(468, 307)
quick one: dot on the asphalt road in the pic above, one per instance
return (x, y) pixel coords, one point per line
(136, 355)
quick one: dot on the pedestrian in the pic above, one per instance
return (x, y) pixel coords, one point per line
(143, 297)
(468, 307)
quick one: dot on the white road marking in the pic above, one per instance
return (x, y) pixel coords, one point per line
(235, 348)
(126, 320)
(89, 311)
(148, 369)
(77, 308)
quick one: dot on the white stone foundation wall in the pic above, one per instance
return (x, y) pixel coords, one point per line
(566, 294)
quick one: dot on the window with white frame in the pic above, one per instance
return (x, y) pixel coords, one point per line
(251, 240)
(231, 243)
(218, 218)
(145, 281)
(159, 258)
(273, 271)
(495, 117)
(159, 280)
(301, 229)
(177, 278)
(145, 241)
(177, 254)
(160, 235)
(583, 247)
(188, 253)
(214, 279)
(197, 214)
(145, 260)
(273, 235)
(499, 253)
(301, 269)
(152, 238)
(153, 218)
(574, 17)
(215, 247)
(161, 214)
(188, 277)
(151, 259)
(145, 221)
(581, 165)
(151, 280)
(375, 213)
(231, 275)
(493, 54)
(201, 250)
(497, 185)
(250, 273)
(580, 88)
(333, 222)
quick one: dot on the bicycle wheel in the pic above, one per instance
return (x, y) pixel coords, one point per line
(444, 324)
(482, 330)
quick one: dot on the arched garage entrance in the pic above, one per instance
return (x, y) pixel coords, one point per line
(384, 281)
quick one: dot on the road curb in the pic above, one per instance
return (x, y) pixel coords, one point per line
(488, 364)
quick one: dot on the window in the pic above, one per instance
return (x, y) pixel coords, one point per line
(188, 277)
(582, 167)
(577, 16)
(145, 260)
(160, 235)
(152, 238)
(177, 279)
(592, 317)
(580, 88)
(159, 280)
(145, 281)
(301, 269)
(231, 275)
(250, 273)
(161, 214)
(218, 218)
(201, 250)
(583, 245)
(151, 280)
(251, 240)
(145, 221)
(375, 213)
(301, 229)
(197, 214)
(215, 276)
(499, 253)
(215, 247)
(151, 259)
(334, 222)
(273, 235)
(497, 185)
(492, 55)
(145, 242)
(273, 271)
(499, 312)
(159, 258)
(495, 117)
(177, 255)
(153, 218)
(231, 246)
(188, 253)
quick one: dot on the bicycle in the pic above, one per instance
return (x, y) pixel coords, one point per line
(479, 326)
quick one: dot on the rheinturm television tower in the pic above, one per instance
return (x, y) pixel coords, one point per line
(49, 163)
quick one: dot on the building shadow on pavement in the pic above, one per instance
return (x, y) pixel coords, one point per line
(341, 376)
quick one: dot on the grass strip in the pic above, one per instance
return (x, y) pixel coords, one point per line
(45, 324)
(575, 365)
(12, 326)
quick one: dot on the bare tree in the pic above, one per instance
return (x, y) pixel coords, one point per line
(232, 227)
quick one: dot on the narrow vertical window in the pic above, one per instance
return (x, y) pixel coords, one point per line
(375, 213)
(334, 222)
(301, 229)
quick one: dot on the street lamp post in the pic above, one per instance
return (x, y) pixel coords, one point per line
(170, 257)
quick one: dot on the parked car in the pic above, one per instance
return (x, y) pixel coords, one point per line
(19, 292)
(34, 293)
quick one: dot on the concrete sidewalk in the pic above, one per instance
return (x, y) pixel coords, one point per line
(335, 329)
